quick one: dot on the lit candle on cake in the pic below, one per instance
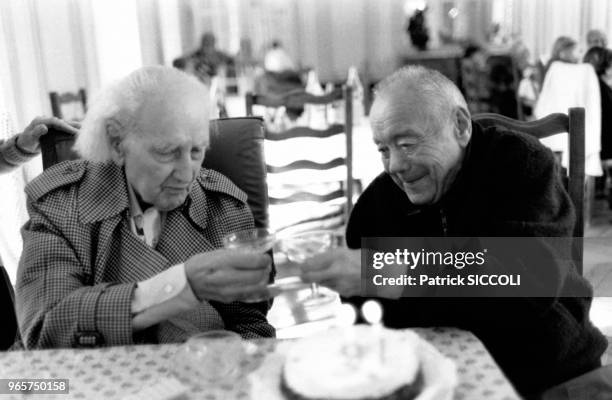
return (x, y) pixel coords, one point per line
(372, 312)
(347, 315)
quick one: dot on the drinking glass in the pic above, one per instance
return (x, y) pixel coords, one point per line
(256, 239)
(301, 246)
(213, 357)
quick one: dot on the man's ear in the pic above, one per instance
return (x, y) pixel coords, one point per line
(463, 126)
(114, 135)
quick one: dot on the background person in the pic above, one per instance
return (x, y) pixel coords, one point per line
(15, 151)
(596, 38)
(277, 59)
(24, 146)
(208, 60)
(564, 50)
(601, 60)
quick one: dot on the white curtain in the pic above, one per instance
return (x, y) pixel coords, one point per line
(60, 45)
(21, 82)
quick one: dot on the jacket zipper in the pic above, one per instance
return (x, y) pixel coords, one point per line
(444, 222)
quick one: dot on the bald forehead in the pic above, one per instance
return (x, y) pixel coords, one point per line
(163, 114)
(394, 106)
(182, 102)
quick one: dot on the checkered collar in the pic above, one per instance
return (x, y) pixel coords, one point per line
(209, 181)
(103, 194)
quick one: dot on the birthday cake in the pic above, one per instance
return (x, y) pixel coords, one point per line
(359, 362)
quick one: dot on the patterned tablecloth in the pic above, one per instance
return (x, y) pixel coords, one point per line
(115, 372)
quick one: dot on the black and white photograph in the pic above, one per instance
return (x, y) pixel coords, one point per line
(306, 199)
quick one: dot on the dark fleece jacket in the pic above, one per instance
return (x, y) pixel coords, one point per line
(509, 186)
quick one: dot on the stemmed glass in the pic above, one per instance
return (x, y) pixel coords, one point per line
(300, 247)
(297, 247)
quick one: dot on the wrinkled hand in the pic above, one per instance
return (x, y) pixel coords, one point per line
(228, 275)
(28, 139)
(338, 269)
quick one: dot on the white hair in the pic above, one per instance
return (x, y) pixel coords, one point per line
(122, 101)
(427, 87)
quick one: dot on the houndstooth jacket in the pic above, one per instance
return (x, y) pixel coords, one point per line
(81, 261)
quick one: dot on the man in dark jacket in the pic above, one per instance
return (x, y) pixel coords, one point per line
(446, 176)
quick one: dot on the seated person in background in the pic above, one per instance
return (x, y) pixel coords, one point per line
(567, 84)
(277, 59)
(24, 146)
(475, 78)
(596, 38)
(502, 85)
(124, 246)
(601, 60)
(528, 91)
(280, 77)
(447, 176)
(564, 50)
(207, 60)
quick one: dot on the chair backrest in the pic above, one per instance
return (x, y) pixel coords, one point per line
(59, 99)
(56, 146)
(236, 151)
(296, 100)
(573, 124)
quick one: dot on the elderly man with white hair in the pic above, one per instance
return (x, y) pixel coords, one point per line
(446, 176)
(125, 246)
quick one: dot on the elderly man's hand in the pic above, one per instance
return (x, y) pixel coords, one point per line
(338, 269)
(228, 275)
(28, 139)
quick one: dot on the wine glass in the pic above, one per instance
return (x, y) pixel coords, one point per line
(301, 246)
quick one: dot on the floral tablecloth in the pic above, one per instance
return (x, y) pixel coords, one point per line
(116, 372)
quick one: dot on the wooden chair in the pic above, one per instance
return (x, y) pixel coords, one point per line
(573, 124)
(56, 146)
(59, 99)
(295, 100)
(236, 150)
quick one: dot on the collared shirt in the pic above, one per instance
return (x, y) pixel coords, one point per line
(164, 293)
(146, 225)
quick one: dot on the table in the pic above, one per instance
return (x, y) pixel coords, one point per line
(114, 372)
